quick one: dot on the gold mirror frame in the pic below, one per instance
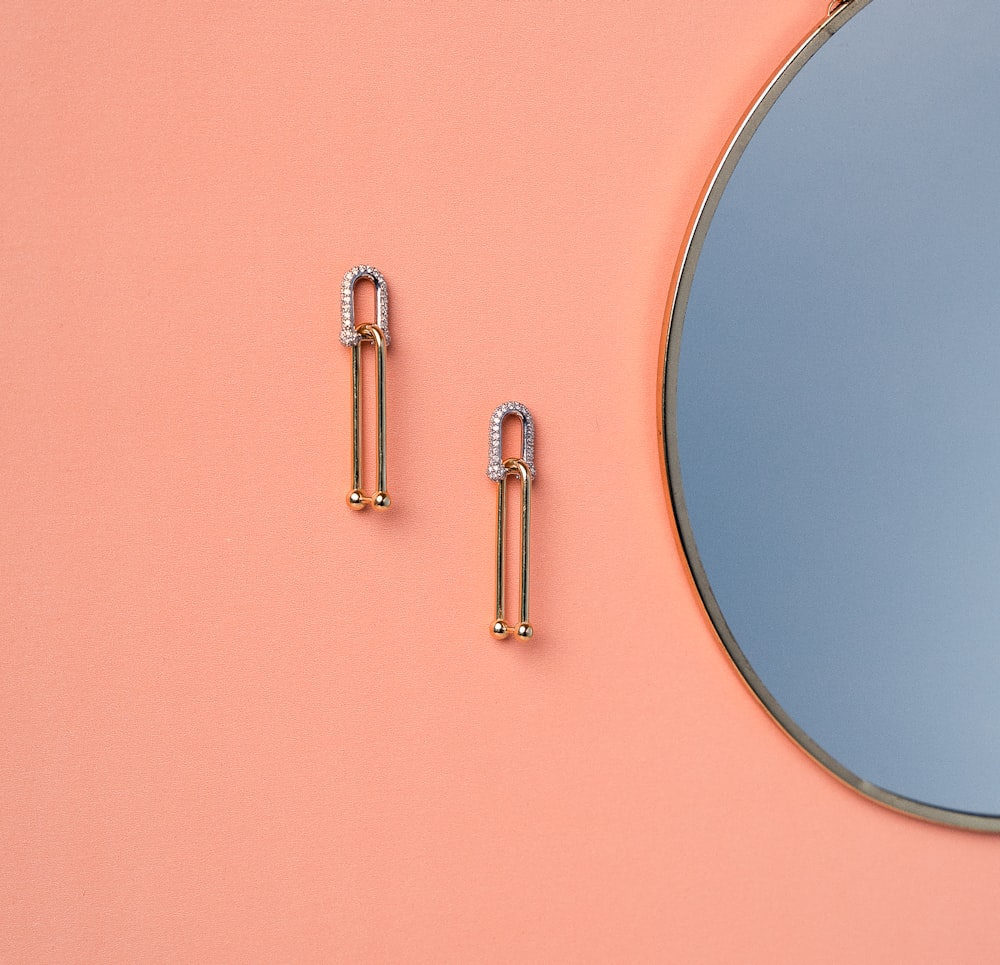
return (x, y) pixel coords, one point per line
(840, 13)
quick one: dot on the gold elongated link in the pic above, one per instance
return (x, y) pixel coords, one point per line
(357, 498)
(500, 626)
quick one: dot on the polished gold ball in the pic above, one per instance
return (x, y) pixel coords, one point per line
(356, 499)
(524, 631)
(499, 630)
(381, 501)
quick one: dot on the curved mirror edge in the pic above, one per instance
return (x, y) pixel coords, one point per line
(670, 347)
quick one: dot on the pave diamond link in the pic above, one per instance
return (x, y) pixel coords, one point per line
(496, 470)
(349, 334)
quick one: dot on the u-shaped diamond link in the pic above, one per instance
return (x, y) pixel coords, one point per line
(496, 470)
(349, 334)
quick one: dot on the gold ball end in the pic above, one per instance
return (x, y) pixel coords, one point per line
(356, 499)
(499, 630)
(524, 631)
(381, 501)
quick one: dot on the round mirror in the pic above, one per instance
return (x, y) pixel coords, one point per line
(832, 403)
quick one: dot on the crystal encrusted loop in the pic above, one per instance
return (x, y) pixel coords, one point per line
(496, 470)
(349, 334)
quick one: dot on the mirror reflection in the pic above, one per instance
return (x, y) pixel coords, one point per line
(834, 438)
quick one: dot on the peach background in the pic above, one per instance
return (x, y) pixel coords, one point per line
(242, 724)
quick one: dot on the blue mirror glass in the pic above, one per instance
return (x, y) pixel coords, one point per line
(832, 403)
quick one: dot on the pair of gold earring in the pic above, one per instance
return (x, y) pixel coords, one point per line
(500, 469)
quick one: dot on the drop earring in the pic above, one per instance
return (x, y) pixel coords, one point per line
(352, 336)
(500, 470)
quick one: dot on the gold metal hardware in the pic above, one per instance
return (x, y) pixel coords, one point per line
(355, 336)
(500, 470)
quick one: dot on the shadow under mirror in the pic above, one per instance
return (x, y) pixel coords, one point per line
(832, 398)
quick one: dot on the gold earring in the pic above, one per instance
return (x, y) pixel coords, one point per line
(352, 336)
(499, 471)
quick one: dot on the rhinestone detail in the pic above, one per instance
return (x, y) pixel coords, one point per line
(496, 470)
(348, 332)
